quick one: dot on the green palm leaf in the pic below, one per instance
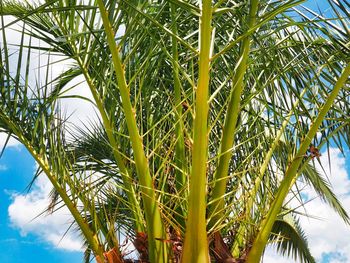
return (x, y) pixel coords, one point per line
(288, 238)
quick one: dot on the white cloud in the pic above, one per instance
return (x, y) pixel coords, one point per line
(328, 236)
(50, 228)
(272, 257)
(78, 110)
(11, 143)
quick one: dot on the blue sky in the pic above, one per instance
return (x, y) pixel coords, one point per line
(16, 171)
(23, 240)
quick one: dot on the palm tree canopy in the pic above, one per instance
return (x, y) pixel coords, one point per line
(210, 113)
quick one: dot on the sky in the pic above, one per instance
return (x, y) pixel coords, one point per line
(24, 237)
(328, 236)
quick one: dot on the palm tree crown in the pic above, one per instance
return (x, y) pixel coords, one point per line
(210, 113)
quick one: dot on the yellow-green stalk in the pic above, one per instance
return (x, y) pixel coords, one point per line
(217, 207)
(243, 228)
(180, 158)
(196, 245)
(155, 228)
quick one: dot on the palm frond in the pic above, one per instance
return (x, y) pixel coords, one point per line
(324, 191)
(288, 238)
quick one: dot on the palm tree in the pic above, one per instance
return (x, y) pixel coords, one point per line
(210, 113)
